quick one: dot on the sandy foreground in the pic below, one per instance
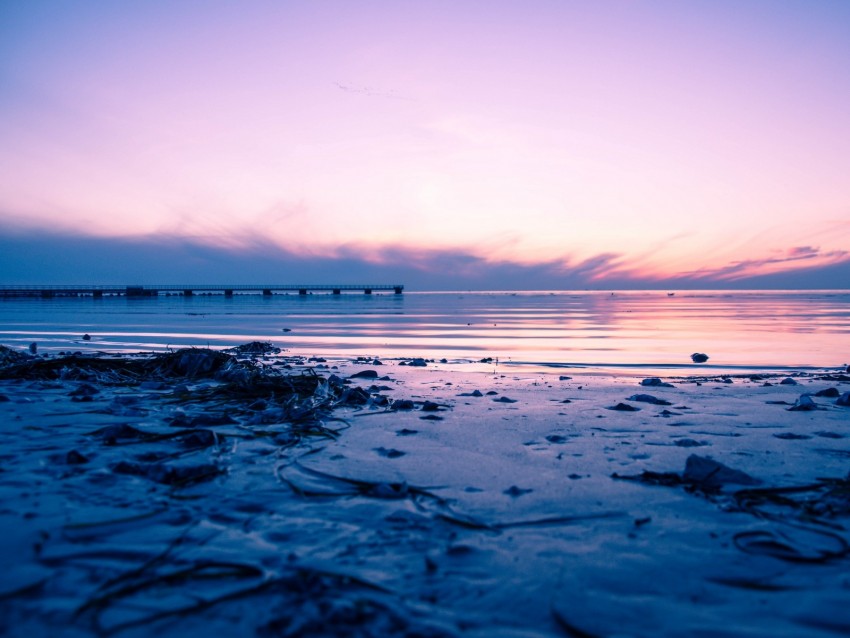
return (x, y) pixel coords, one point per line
(402, 503)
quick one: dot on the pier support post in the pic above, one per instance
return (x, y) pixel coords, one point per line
(302, 291)
(336, 291)
(47, 294)
(187, 293)
(267, 293)
(97, 294)
(228, 292)
(368, 291)
(398, 290)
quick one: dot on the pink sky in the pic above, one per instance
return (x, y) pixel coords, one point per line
(685, 138)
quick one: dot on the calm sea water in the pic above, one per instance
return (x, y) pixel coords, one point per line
(757, 329)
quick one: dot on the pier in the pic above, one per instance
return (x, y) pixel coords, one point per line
(136, 291)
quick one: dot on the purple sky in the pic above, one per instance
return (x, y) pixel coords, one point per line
(603, 143)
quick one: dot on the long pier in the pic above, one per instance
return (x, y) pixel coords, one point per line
(187, 290)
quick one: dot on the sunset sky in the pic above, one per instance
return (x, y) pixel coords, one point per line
(456, 143)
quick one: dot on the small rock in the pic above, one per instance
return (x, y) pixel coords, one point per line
(843, 400)
(364, 374)
(648, 398)
(402, 404)
(474, 393)
(792, 436)
(418, 362)
(84, 390)
(655, 382)
(86, 337)
(430, 406)
(390, 453)
(687, 443)
(788, 381)
(406, 432)
(556, 438)
(564, 378)
(699, 357)
(514, 491)
(709, 473)
(830, 393)
(33, 347)
(505, 400)
(623, 407)
(803, 404)
(75, 458)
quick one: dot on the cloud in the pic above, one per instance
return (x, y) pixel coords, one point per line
(789, 259)
(27, 256)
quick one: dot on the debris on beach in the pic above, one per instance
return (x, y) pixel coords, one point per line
(699, 357)
(10, 357)
(255, 348)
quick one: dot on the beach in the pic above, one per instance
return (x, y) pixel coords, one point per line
(263, 493)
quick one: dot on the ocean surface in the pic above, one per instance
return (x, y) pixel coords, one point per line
(620, 330)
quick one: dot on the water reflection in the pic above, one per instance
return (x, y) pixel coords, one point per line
(741, 328)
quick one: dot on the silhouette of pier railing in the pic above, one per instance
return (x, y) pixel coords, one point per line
(187, 290)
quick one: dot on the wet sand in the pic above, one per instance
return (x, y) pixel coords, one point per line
(542, 507)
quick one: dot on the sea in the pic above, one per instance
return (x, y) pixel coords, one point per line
(551, 330)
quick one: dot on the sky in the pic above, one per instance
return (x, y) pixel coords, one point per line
(455, 144)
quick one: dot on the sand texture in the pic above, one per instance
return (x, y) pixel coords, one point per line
(280, 497)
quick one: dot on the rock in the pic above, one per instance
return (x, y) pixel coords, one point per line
(418, 362)
(803, 404)
(707, 472)
(830, 393)
(75, 458)
(364, 374)
(474, 393)
(430, 406)
(504, 400)
(563, 378)
(169, 475)
(558, 439)
(402, 404)
(655, 382)
(699, 357)
(792, 436)
(255, 348)
(84, 390)
(33, 348)
(687, 443)
(623, 407)
(86, 337)
(648, 398)
(788, 381)
(354, 396)
(390, 453)
(843, 400)
(513, 491)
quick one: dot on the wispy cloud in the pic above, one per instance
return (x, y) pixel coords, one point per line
(792, 258)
